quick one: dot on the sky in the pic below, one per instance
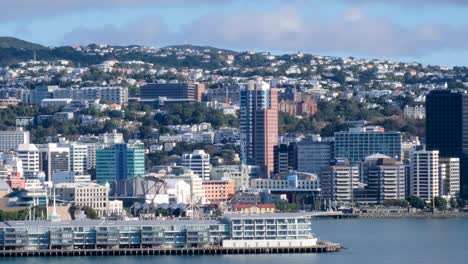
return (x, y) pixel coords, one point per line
(428, 31)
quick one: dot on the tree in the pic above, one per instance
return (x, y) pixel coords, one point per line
(453, 202)
(90, 212)
(440, 203)
(416, 202)
(284, 206)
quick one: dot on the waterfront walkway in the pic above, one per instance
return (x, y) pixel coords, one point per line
(319, 248)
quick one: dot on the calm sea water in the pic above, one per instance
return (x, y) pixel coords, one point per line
(413, 241)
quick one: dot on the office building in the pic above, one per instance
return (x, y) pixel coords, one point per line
(11, 139)
(218, 191)
(70, 177)
(338, 183)
(241, 174)
(313, 155)
(424, 174)
(359, 143)
(227, 93)
(42, 92)
(54, 158)
(198, 162)
(447, 128)
(119, 162)
(449, 175)
(169, 90)
(292, 183)
(29, 155)
(85, 194)
(259, 125)
(285, 159)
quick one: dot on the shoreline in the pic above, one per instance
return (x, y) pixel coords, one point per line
(414, 215)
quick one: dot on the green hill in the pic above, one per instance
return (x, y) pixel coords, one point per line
(10, 42)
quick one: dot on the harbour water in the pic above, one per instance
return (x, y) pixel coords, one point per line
(425, 241)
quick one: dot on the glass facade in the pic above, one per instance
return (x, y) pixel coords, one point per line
(356, 146)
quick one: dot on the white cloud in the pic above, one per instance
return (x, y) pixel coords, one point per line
(286, 29)
(20, 9)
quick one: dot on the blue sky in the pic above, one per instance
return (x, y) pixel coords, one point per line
(427, 31)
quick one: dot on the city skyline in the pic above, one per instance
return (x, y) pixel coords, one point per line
(431, 34)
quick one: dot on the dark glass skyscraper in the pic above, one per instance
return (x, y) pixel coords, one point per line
(447, 128)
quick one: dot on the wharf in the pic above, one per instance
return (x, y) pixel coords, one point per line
(319, 248)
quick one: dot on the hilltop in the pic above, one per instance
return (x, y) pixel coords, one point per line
(200, 48)
(14, 43)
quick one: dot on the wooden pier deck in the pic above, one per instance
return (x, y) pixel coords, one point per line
(320, 248)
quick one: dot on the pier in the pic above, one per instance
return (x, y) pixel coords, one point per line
(319, 248)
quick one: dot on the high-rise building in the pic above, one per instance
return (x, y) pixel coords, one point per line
(169, 90)
(447, 128)
(338, 183)
(424, 174)
(384, 178)
(54, 158)
(449, 175)
(285, 159)
(313, 156)
(119, 162)
(198, 162)
(11, 139)
(78, 157)
(259, 125)
(29, 155)
(359, 143)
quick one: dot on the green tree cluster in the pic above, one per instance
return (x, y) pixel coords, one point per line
(416, 202)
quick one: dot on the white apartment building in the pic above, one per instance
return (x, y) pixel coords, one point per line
(11, 139)
(85, 194)
(338, 183)
(449, 177)
(78, 157)
(424, 174)
(91, 156)
(415, 112)
(118, 95)
(198, 162)
(55, 102)
(29, 155)
(111, 138)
